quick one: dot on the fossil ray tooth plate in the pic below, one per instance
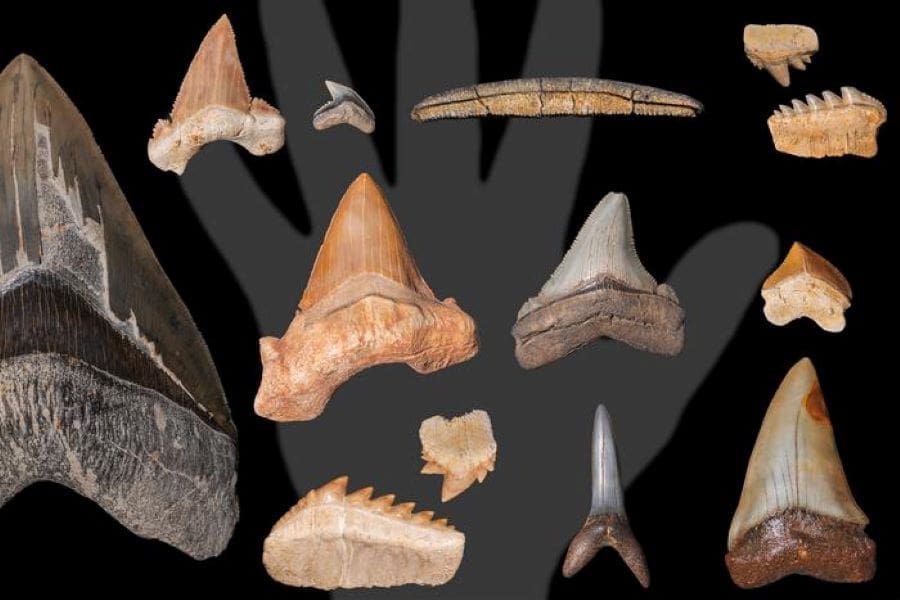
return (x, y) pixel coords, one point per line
(806, 285)
(600, 289)
(214, 104)
(554, 96)
(365, 304)
(106, 386)
(345, 107)
(776, 47)
(797, 514)
(462, 449)
(331, 539)
(829, 126)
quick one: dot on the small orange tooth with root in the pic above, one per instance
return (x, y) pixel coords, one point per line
(462, 449)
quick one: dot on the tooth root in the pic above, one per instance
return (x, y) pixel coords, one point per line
(799, 107)
(781, 73)
(797, 513)
(797, 62)
(361, 495)
(607, 523)
(814, 102)
(461, 449)
(831, 99)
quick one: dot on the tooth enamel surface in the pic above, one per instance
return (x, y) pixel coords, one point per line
(329, 541)
(606, 488)
(773, 47)
(462, 449)
(799, 106)
(365, 304)
(345, 107)
(214, 104)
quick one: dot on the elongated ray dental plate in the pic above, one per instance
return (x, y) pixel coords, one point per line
(806, 285)
(345, 107)
(600, 289)
(214, 104)
(607, 523)
(462, 449)
(365, 304)
(797, 514)
(554, 96)
(106, 386)
(775, 47)
(331, 539)
(829, 126)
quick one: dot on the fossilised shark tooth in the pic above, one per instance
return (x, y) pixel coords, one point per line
(345, 106)
(797, 514)
(106, 386)
(607, 523)
(600, 289)
(806, 285)
(554, 96)
(333, 540)
(365, 304)
(462, 449)
(834, 126)
(214, 104)
(774, 47)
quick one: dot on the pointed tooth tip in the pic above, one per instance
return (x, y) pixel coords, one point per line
(831, 99)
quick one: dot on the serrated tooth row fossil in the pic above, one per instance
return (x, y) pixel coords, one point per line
(345, 107)
(806, 285)
(106, 386)
(829, 126)
(797, 514)
(462, 449)
(365, 304)
(600, 289)
(775, 47)
(554, 96)
(607, 523)
(331, 539)
(214, 104)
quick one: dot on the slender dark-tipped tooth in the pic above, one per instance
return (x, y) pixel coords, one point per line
(814, 102)
(831, 99)
(607, 523)
(799, 107)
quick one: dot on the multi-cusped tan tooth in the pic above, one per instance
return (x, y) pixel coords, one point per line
(554, 96)
(607, 523)
(345, 107)
(462, 449)
(829, 126)
(806, 285)
(332, 540)
(365, 304)
(214, 104)
(797, 514)
(774, 47)
(600, 289)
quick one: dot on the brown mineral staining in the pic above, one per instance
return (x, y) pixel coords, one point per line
(797, 514)
(775, 47)
(214, 104)
(365, 304)
(331, 539)
(829, 126)
(554, 96)
(462, 449)
(806, 285)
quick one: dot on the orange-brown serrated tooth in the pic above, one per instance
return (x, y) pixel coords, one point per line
(404, 509)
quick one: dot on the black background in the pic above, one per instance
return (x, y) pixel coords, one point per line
(121, 63)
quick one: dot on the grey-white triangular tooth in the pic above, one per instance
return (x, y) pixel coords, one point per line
(831, 99)
(814, 102)
(799, 107)
(787, 110)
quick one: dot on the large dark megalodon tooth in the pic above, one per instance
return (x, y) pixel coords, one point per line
(106, 386)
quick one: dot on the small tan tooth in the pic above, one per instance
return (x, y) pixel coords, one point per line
(799, 107)
(362, 495)
(383, 503)
(806, 285)
(335, 489)
(461, 449)
(365, 304)
(797, 62)
(327, 543)
(797, 514)
(773, 47)
(786, 110)
(831, 99)
(215, 104)
(814, 102)
(779, 70)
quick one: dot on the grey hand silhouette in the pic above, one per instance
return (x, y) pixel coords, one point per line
(490, 245)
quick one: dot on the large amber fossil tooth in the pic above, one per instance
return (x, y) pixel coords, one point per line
(365, 304)
(462, 449)
(796, 514)
(330, 539)
(829, 126)
(554, 96)
(600, 289)
(214, 104)
(607, 523)
(806, 285)
(776, 47)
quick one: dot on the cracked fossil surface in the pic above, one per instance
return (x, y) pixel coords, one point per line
(106, 386)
